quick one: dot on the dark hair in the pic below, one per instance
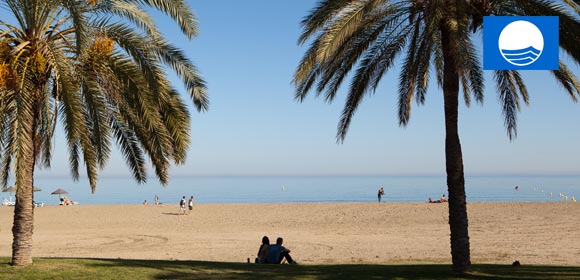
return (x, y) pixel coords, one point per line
(266, 240)
(279, 240)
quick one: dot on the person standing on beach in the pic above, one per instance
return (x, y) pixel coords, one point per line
(381, 193)
(182, 206)
(190, 204)
(156, 200)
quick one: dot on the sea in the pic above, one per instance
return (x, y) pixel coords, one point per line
(306, 189)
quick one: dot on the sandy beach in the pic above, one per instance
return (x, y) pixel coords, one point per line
(534, 233)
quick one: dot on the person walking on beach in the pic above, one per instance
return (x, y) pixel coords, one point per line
(381, 193)
(190, 204)
(182, 206)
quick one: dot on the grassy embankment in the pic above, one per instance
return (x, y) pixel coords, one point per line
(44, 268)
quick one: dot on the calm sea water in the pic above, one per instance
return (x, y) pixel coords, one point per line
(306, 189)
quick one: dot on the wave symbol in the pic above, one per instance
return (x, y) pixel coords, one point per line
(521, 57)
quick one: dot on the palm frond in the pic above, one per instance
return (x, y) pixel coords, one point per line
(408, 76)
(79, 19)
(185, 69)
(129, 145)
(470, 70)
(319, 16)
(97, 118)
(134, 14)
(176, 119)
(574, 4)
(343, 26)
(137, 47)
(307, 71)
(178, 11)
(137, 108)
(568, 80)
(9, 123)
(507, 87)
(45, 130)
(376, 44)
(303, 87)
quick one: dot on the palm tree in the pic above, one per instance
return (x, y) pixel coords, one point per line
(433, 35)
(100, 68)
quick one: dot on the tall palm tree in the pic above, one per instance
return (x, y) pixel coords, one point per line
(100, 68)
(433, 35)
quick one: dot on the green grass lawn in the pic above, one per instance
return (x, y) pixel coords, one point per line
(51, 268)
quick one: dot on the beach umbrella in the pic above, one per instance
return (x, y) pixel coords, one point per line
(10, 190)
(35, 189)
(59, 192)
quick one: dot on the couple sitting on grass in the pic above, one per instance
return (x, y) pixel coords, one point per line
(273, 253)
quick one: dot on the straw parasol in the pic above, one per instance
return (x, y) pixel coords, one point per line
(10, 190)
(59, 192)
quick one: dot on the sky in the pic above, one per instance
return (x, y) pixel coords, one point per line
(247, 52)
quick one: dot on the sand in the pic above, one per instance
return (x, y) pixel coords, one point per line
(321, 233)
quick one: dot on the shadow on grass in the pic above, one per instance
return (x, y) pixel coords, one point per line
(242, 271)
(156, 269)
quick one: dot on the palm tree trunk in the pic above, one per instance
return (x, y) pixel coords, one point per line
(23, 226)
(454, 159)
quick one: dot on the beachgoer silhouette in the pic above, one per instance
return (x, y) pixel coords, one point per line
(263, 251)
(190, 204)
(182, 206)
(277, 252)
(433, 201)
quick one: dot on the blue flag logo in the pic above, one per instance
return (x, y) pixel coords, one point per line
(520, 43)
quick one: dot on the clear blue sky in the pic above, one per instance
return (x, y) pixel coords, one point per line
(247, 52)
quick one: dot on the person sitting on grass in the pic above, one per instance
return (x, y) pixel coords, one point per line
(277, 252)
(263, 251)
